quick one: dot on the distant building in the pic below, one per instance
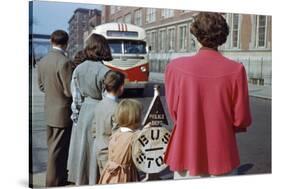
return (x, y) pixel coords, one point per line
(81, 21)
(168, 34)
(40, 45)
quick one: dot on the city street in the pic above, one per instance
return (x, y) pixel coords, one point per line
(254, 146)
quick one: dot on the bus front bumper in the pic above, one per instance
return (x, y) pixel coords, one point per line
(136, 84)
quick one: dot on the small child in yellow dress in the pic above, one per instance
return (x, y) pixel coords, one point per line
(120, 167)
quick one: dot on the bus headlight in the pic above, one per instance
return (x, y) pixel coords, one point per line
(143, 69)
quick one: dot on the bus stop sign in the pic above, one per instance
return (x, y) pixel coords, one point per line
(150, 145)
(149, 148)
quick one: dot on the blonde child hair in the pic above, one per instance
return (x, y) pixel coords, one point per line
(128, 114)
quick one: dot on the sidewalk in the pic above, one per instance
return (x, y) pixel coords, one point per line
(258, 91)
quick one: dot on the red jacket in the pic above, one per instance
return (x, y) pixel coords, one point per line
(208, 101)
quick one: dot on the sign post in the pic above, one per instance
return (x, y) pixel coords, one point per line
(151, 143)
(155, 115)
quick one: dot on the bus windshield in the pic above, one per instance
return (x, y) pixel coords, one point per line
(130, 46)
(115, 46)
(134, 47)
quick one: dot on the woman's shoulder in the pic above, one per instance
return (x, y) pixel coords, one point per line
(90, 65)
(194, 66)
(177, 63)
(179, 60)
(233, 66)
(82, 65)
(99, 67)
(89, 62)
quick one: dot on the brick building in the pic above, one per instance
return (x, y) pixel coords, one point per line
(81, 21)
(168, 35)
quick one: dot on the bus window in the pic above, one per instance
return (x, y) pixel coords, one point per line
(134, 47)
(115, 46)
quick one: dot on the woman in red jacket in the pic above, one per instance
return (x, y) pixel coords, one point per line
(207, 97)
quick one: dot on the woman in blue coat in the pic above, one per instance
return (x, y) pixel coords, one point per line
(87, 88)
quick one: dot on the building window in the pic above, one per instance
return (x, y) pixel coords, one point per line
(167, 13)
(138, 17)
(185, 11)
(128, 18)
(226, 45)
(112, 9)
(150, 15)
(192, 44)
(118, 8)
(171, 38)
(84, 26)
(235, 22)
(261, 23)
(148, 40)
(182, 37)
(154, 41)
(162, 39)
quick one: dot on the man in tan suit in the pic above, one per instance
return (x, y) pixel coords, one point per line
(54, 76)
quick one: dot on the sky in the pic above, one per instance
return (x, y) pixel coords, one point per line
(50, 16)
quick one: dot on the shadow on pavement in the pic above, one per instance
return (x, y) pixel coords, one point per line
(243, 169)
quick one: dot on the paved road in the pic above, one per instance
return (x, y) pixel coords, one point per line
(254, 146)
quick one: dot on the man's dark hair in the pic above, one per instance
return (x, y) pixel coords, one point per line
(113, 81)
(59, 37)
(210, 29)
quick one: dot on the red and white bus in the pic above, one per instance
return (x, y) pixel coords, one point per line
(129, 51)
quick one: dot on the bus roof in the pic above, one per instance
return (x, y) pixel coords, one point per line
(120, 31)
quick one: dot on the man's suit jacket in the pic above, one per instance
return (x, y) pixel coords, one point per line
(54, 77)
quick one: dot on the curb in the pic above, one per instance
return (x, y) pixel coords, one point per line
(260, 96)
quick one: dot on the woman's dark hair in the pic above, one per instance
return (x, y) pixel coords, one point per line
(210, 29)
(113, 81)
(79, 57)
(59, 37)
(97, 49)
